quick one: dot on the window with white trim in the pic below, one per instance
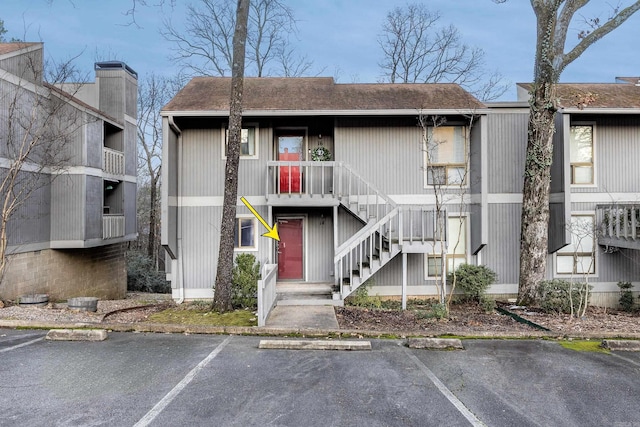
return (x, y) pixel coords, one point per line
(244, 234)
(579, 256)
(248, 142)
(581, 153)
(446, 155)
(457, 248)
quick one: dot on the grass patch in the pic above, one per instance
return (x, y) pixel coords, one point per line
(582, 345)
(205, 317)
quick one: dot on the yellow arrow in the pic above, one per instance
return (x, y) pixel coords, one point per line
(271, 232)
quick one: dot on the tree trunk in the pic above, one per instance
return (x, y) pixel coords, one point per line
(535, 193)
(224, 274)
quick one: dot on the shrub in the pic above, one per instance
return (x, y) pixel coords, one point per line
(554, 295)
(244, 289)
(142, 275)
(626, 296)
(361, 298)
(473, 280)
(436, 311)
(488, 304)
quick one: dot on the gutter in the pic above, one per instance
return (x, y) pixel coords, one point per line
(180, 263)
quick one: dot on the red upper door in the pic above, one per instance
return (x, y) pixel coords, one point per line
(290, 147)
(290, 259)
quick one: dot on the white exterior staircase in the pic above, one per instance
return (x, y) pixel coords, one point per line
(388, 229)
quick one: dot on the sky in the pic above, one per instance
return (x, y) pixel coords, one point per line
(339, 36)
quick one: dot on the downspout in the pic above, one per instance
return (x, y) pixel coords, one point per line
(180, 263)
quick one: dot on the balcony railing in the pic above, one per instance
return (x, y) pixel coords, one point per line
(112, 226)
(619, 222)
(113, 161)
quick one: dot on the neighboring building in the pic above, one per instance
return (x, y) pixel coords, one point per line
(68, 237)
(370, 212)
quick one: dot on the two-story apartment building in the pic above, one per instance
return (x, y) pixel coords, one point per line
(400, 154)
(78, 205)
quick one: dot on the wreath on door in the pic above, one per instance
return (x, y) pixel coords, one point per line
(320, 154)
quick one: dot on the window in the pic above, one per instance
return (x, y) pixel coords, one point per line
(244, 234)
(457, 248)
(581, 153)
(579, 256)
(248, 145)
(445, 155)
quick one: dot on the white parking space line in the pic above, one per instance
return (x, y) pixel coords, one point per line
(21, 345)
(473, 420)
(156, 410)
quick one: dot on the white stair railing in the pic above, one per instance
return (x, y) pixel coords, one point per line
(266, 292)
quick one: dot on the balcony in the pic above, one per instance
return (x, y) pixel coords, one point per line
(619, 225)
(112, 226)
(113, 161)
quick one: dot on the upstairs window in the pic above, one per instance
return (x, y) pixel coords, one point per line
(581, 153)
(248, 142)
(446, 155)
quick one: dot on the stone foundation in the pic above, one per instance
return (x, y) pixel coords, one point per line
(65, 273)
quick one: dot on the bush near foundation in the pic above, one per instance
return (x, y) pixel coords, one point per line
(473, 281)
(142, 275)
(244, 289)
(558, 295)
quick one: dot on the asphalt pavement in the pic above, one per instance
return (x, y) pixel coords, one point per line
(146, 379)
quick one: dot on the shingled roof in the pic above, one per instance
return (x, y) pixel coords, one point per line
(12, 47)
(600, 95)
(319, 94)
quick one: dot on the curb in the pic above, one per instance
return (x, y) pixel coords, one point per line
(314, 345)
(77, 335)
(621, 345)
(435, 343)
(310, 333)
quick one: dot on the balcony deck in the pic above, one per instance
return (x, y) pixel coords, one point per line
(619, 225)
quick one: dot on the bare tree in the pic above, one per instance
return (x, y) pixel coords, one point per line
(224, 274)
(153, 93)
(554, 19)
(38, 125)
(450, 185)
(205, 46)
(417, 49)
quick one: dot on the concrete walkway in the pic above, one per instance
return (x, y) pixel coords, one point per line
(303, 317)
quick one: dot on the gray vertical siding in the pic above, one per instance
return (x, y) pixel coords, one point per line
(27, 66)
(200, 242)
(30, 222)
(501, 253)
(389, 155)
(93, 211)
(112, 93)
(319, 256)
(130, 214)
(205, 172)
(169, 191)
(93, 143)
(507, 145)
(68, 194)
(130, 150)
(130, 95)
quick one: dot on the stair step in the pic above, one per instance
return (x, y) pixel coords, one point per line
(317, 301)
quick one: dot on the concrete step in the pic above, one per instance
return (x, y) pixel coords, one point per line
(309, 301)
(304, 288)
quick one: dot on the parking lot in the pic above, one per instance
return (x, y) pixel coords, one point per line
(210, 380)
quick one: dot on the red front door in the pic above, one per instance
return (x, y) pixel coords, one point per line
(290, 249)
